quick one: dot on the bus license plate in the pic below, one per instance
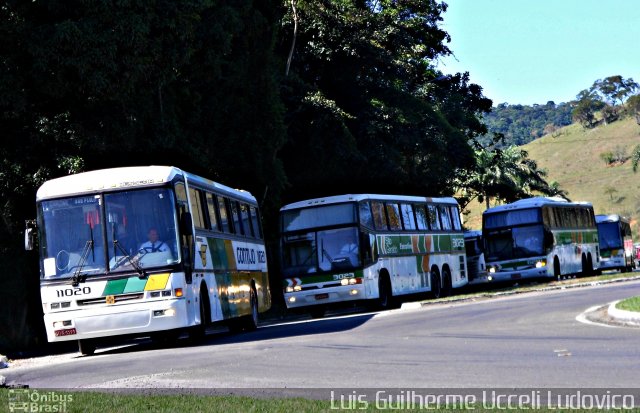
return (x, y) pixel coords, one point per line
(65, 332)
(516, 276)
(322, 296)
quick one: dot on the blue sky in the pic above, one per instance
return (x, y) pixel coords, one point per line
(533, 51)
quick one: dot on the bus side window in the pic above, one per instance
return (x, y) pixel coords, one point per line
(246, 220)
(181, 192)
(196, 208)
(394, 217)
(421, 217)
(434, 218)
(255, 220)
(455, 214)
(213, 215)
(366, 218)
(408, 220)
(379, 217)
(445, 218)
(224, 215)
(235, 214)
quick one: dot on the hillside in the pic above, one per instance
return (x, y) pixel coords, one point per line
(573, 159)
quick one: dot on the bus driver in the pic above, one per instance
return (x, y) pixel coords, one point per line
(154, 244)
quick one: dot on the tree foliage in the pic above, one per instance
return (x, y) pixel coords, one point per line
(520, 124)
(366, 109)
(505, 175)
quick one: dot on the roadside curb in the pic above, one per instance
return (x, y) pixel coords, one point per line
(623, 316)
(427, 303)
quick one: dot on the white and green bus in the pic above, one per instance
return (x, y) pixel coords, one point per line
(146, 251)
(540, 238)
(369, 247)
(616, 243)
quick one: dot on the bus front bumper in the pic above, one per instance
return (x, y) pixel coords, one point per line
(322, 296)
(116, 320)
(514, 275)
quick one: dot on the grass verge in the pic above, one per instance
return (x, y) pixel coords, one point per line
(630, 304)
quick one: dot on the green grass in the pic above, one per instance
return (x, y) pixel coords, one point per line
(140, 403)
(573, 159)
(630, 304)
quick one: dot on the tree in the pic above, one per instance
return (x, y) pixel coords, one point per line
(615, 89)
(633, 107)
(366, 108)
(588, 102)
(507, 175)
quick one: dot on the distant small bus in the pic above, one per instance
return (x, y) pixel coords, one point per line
(146, 251)
(616, 243)
(540, 238)
(474, 248)
(369, 247)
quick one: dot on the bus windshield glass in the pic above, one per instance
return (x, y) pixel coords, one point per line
(318, 251)
(514, 243)
(322, 216)
(609, 235)
(74, 231)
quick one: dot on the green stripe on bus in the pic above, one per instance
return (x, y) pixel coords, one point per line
(114, 287)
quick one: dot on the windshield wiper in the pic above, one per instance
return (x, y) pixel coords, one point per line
(77, 277)
(133, 261)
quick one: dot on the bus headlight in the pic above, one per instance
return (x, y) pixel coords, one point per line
(292, 299)
(289, 289)
(297, 288)
(492, 270)
(541, 263)
(353, 292)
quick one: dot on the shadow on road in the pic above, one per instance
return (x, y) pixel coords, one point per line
(268, 332)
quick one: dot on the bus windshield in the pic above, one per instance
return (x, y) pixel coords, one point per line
(514, 243)
(316, 251)
(609, 235)
(74, 231)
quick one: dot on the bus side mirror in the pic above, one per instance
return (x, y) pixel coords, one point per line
(185, 224)
(29, 235)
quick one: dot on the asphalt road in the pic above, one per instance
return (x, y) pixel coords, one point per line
(527, 340)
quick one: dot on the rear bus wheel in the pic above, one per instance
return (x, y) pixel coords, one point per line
(436, 290)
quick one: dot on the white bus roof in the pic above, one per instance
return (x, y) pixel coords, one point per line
(534, 202)
(609, 218)
(113, 179)
(361, 197)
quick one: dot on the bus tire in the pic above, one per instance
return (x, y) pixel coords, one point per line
(590, 265)
(385, 302)
(436, 289)
(247, 322)
(198, 332)
(251, 320)
(585, 267)
(556, 269)
(86, 347)
(317, 312)
(446, 282)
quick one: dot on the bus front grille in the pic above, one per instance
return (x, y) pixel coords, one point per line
(116, 298)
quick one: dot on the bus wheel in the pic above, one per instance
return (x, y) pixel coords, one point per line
(556, 269)
(446, 282)
(585, 267)
(86, 347)
(386, 293)
(317, 312)
(251, 321)
(435, 283)
(198, 332)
